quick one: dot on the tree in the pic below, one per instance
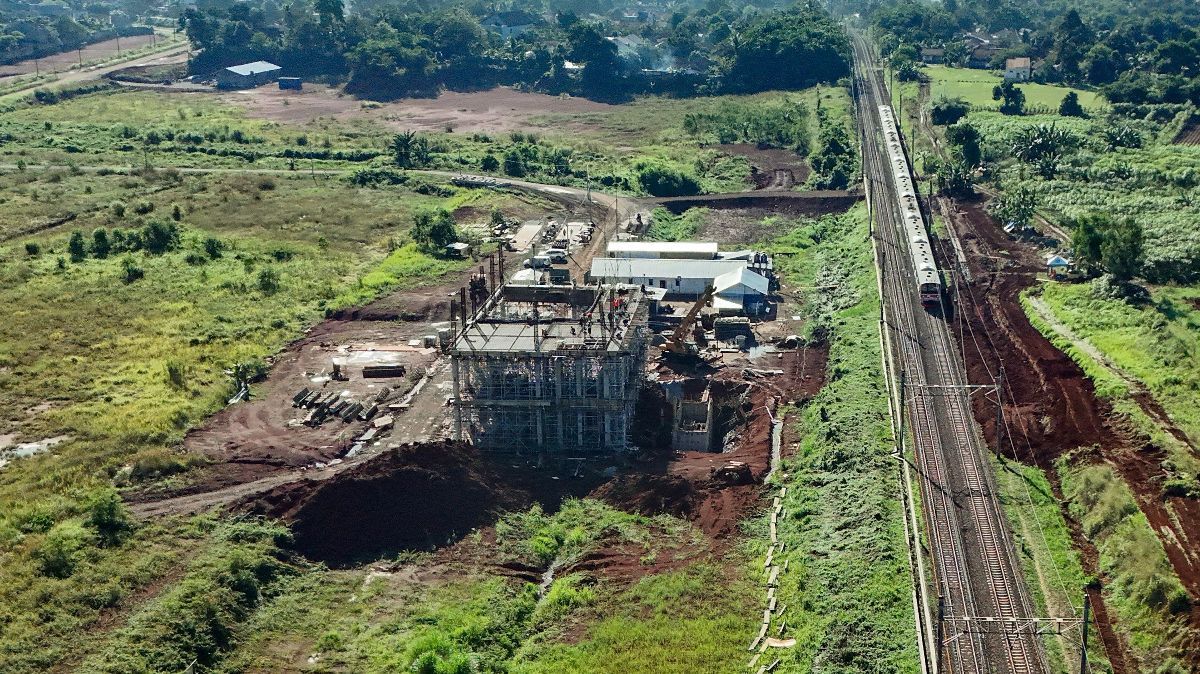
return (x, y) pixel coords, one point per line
(402, 148)
(489, 163)
(1086, 239)
(833, 162)
(330, 11)
(62, 550)
(1070, 106)
(434, 230)
(965, 139)
(268, 281)
(946, 111)
(101, 246)
(76, 247)
(765, 55)
(1122, 249)
(159, 237)
(1015, 207)
(1012, 99)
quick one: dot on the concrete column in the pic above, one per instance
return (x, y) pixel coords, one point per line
(457, 403)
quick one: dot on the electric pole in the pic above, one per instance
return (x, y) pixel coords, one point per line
(999, 410)
(1087, 610)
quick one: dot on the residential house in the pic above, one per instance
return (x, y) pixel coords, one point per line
(510, 24)
(1018, 69)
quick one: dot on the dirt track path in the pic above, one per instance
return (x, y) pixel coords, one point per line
(170, 51)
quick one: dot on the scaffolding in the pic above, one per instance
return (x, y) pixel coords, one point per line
(550, 369)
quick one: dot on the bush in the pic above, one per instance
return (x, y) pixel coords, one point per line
(268, 281)
(62, 550)
(32, 249)
(130, 272)
(118, 208)
(434, 230)
(661, 180)
(76, 247)
(213, 247)
(143, 207)
(101, 246)
(108, 516)
(946, 111)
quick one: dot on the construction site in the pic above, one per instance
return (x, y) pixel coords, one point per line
(652, 389)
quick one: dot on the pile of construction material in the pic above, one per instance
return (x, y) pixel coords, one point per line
(323, 406)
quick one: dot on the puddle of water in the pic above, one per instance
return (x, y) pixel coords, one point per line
(27, 449)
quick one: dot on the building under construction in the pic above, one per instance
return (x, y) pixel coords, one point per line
(550, 369)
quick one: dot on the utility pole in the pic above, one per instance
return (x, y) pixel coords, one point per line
(79, 50)
(999, 410)
(1087, 610)
(941, 617)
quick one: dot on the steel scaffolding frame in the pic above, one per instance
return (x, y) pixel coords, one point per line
(570, 395)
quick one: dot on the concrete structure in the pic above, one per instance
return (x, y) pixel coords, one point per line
(1018, 69)
(247, 75)
(676, 250)
(694, 423)
(294, 83)
(458, 249)
(682, 279)
(550, 369)
(741, 291)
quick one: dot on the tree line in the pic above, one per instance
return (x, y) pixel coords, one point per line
(393, 50)
(1133, 52)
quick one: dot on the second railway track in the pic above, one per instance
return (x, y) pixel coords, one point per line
(977, 572)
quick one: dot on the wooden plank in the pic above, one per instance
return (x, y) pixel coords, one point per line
(773, 580)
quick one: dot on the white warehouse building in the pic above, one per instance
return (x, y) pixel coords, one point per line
(681, 279)
(664, 250)
(741, 291)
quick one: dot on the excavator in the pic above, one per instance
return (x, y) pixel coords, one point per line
(677, 344)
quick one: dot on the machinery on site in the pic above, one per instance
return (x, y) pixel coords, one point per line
(928, 279)
(678, 344)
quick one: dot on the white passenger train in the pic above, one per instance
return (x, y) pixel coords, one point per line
(929, 281)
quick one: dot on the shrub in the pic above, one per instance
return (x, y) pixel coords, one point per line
(62, 550)
(661, 180)
(130, 272)
(268, 281)
(213, 247)
(160, 237)
(32, 249)
(489, 163)
(118, 208)
(143, 207)
(434, 230)
(76, 247)
(108, 516)
(176, 212)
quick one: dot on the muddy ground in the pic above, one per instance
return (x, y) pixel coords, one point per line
(770, 168)
(1052, 408)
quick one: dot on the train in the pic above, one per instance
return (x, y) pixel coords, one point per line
(928, 279)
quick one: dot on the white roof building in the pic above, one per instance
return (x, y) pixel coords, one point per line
(740, 291)
(678, 277)
(695, 250)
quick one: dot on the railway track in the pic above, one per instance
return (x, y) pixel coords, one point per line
(975, 566)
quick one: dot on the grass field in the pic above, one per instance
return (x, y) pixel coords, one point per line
(975, 87)
(849, 594)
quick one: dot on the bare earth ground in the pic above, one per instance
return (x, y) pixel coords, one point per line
(493, 111)
(770, 168)
(1054, 408)
(64, 60)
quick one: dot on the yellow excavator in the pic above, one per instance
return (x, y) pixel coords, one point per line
(678, 344)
